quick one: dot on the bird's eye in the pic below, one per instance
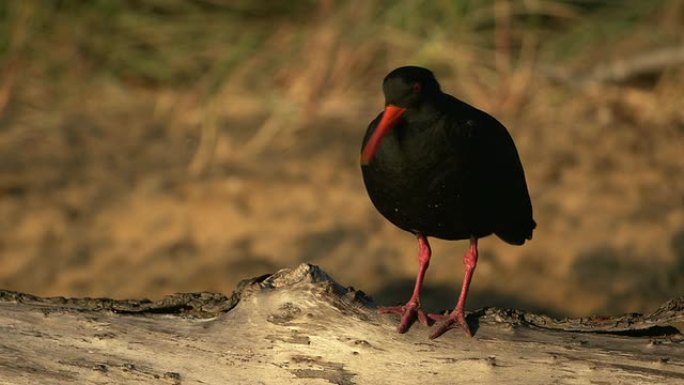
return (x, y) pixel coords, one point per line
(416, 87)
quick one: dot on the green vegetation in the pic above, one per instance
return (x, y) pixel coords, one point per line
(179, 43)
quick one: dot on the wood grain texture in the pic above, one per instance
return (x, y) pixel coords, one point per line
(298, 326)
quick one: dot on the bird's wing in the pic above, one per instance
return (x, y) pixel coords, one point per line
(496, 171)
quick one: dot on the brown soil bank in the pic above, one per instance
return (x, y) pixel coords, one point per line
(139, 158)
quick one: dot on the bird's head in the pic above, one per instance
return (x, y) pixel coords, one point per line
(405, 88)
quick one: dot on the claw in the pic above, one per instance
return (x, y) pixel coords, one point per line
(456, 317)
(409, 314)
(422, 318)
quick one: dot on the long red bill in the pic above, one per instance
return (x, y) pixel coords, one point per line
(390, 118)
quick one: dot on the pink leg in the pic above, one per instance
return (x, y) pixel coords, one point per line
(412, 309)
(456, 316)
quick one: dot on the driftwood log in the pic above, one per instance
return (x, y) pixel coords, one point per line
(298, 326)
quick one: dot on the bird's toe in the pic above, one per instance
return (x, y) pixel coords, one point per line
(410, 313)
(448, 322)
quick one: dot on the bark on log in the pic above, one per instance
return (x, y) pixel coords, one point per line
(298, 326)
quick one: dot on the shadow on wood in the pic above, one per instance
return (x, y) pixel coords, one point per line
(299, 326)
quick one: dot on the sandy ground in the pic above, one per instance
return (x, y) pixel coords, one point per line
(101, 202)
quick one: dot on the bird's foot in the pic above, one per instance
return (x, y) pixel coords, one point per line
(447, 322)
(409, 313)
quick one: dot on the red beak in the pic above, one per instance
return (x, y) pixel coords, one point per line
(389, 119)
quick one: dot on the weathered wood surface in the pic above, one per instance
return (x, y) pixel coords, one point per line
(300, 327)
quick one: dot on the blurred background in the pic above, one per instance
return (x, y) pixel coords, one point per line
(149, 147)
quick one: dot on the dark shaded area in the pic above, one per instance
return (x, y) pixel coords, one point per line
(190, 305)
(443, 298)
(333, 372)
(628, 278)
(655, 331)
(677, 243)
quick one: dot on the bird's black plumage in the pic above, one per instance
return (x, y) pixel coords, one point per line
(446, 169)
(436, 166)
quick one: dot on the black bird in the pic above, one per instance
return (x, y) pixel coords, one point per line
(437, 167)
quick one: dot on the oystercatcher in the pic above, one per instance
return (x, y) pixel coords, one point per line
(437, 167)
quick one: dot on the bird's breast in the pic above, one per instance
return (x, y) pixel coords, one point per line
(419, 183)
